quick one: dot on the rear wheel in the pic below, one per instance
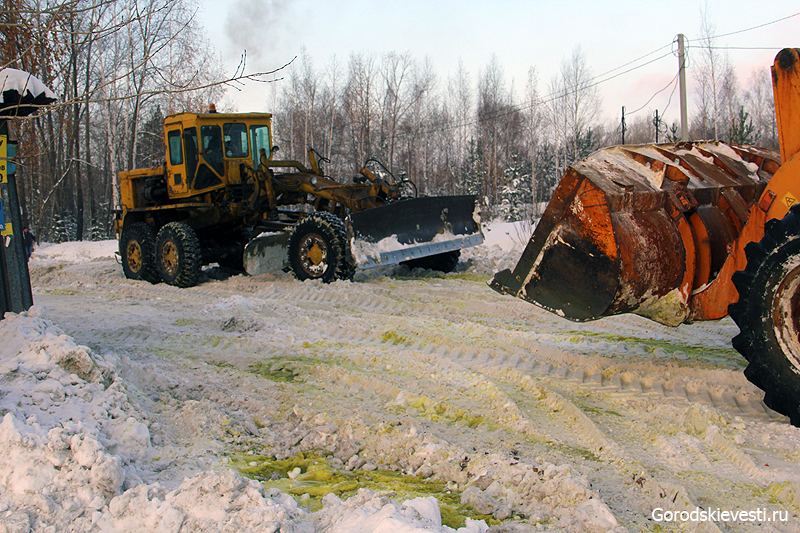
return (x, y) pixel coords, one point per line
(318, 248)
(137, 249)
(768, 314)
(444, 262)
(178, 255)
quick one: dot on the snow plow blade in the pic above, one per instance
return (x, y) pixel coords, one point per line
(644, 229)
(410, 229)
(386, 235)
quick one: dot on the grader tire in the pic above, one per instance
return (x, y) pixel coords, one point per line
(137, 250)
(768, 314)
(178, 255)
(318, 249)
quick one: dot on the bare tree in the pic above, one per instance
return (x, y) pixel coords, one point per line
(534, 124)
(582, 102)
(419, 125)
(359, 106)
(332, 103)
(759, 99)
(573, 110)
(397, 98)
(718, 95)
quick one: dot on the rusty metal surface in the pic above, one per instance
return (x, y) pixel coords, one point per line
(646, 229)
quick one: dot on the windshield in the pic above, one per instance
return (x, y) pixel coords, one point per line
(212, 147)
(259, 137)
(235, 135)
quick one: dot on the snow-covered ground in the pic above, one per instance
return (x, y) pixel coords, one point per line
(399, 402)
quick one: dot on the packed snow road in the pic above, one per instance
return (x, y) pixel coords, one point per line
(412, 385)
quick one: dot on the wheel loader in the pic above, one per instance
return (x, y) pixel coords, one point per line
(683, 232)
(222, 197)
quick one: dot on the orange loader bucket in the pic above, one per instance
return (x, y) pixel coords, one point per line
(644, 229)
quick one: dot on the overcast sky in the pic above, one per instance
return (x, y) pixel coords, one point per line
(521, 34)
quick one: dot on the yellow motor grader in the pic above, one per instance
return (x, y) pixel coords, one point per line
(683, 232)
(220, 185)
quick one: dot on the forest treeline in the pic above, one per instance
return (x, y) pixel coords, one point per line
(119, 68)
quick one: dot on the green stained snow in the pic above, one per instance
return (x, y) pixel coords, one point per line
(311, 474)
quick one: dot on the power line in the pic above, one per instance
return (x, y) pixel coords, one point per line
(740, 47)
(669, 100)
(672, 81)
(759, 26)
(635, 60)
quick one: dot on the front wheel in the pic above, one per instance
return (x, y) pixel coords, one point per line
(768, 314)
(318, 248)
(178, 255)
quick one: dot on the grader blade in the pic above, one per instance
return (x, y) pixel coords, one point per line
(643, 229)
(414, 228)
(266, 253)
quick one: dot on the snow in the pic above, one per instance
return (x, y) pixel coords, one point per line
(74, 252)
(134, 407)
(22, 82)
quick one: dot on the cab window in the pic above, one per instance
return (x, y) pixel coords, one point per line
(212, 147)
(175, 151)
(259, 138)
(235, 135)
(190, 149)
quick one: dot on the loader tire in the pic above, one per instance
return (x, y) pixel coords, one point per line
(137, 249)
(444, 262)
(768, 314)
(178, 255)
(318, 248)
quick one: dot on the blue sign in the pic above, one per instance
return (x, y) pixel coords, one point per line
(11, 152)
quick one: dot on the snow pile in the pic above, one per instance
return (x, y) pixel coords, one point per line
(501, 249)
(368, 511)
(75, 446)
(73, 252)
(208, 501)
(67, 430)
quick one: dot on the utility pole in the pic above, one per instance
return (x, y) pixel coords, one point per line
(23, 95)
(656, 123)
(5, 287)
(17, 286)
(623, 124)
(682, 82)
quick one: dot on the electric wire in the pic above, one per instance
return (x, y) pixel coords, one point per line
(671, 82)
(759, 26)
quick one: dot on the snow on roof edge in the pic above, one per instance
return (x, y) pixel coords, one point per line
(12, 79)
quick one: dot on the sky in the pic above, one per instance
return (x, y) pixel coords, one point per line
(520, 34)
